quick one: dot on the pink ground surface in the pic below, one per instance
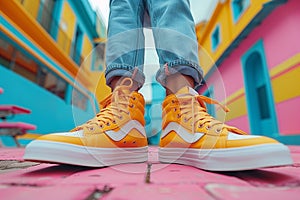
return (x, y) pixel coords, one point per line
(127, 181)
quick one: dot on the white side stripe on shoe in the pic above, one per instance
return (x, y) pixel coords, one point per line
(119, 135)
(234, 136)
(115, 135)
(78, 133)
(182, 132)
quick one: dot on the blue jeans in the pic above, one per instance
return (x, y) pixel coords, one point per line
(174, 34)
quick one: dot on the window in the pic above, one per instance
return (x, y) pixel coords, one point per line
(52, 83)
(238, 7)
(79, 100)
(17, 61)
(76, 46)
(45, 14)
(98, 57)
(21, 62)
(215, 38)
(263, 102)
(210, 107)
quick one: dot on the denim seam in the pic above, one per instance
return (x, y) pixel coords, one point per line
(119, 66)
(183, 62)
(180, 62)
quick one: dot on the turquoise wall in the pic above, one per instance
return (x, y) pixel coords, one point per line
(154, 113)
(49, 112)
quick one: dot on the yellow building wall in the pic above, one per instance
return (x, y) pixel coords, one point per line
(93, 80)
(100, 28)
(32, 6)
(229, 30)
(236, 104)
(99, 87)
(87, 48)
(280, 90)
(67, 27)
(223, 22)
(64, 38)
(285, 79)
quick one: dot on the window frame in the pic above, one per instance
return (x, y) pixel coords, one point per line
(215, 45)
(236, 16)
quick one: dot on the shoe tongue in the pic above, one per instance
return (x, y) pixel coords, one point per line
(109, 99)
(186, 91)
(122, 89)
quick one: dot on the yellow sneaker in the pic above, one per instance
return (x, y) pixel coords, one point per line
(116, 135)
(191, 136)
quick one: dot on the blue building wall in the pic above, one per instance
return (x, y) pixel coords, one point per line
(31, 45)
(49, 112)
(154, 113)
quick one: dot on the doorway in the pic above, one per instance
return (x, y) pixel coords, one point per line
(259, 95)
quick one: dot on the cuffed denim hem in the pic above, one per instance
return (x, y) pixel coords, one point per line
(124, 71)
(181, 66)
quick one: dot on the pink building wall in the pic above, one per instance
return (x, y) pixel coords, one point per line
(280, 32)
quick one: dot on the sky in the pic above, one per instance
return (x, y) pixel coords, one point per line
(201, 9)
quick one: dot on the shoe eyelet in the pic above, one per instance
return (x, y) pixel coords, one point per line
(133, 98)
(200, 126)
(208, 127)
(108, 124)
(185, 120)
(121, 117)
(91, 128)
(114, 121)
(218, 130)
(173, 101)
(101, 126)
(175, 109)
(178, 116)
(131, 105)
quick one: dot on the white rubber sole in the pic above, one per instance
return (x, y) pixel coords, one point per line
(56, 152)
(233, 159)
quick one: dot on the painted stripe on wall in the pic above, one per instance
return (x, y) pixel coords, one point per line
(236, 105)
(294, 60)
(284, 86)
(283, 77)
